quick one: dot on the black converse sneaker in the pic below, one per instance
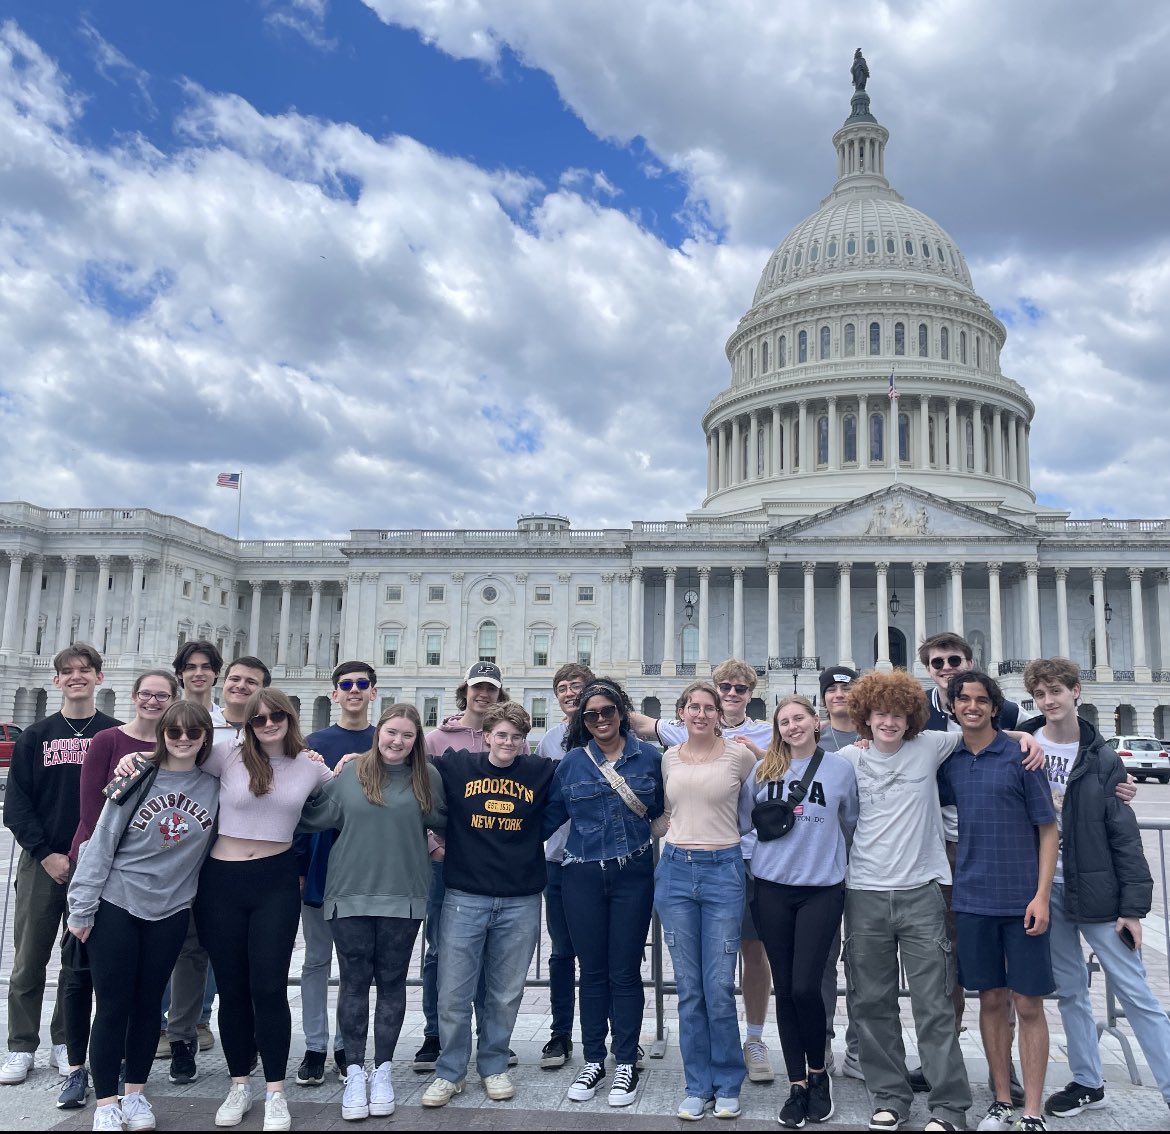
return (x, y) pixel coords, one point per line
(624, 1086)
(1073, 1099)
(584, 1087)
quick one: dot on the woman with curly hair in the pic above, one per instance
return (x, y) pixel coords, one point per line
(799, 890)
(609, 788)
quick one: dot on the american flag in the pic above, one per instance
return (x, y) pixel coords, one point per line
(893, 388)
(228, 480)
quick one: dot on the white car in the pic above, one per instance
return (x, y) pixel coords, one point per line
(1145, 757)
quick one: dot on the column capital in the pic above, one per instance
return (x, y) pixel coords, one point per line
(315, 586)
(370, 576)
(38, 561)
(956, 566)
(521, 577)
(773, 568)
(881, 566)
(624, 576)
(952, 403)
(1163, 575)
(993, 567)
(919, 566)
(1062, 573)
(286, 585)
(1032, 568)
(670, 572)
(175, 569)
(737, 573)
(606, 577)
(802, 403)
(808, 566)
(635, 573)
(139, 560)
(257, 585)
(20, 556)
(457, 576)
(1098, 574)
(70, 561)
(832, 400)
(705, 572)
(844, 567)
(1135, 574)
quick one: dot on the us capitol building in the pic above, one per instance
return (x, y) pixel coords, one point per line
(839, 525)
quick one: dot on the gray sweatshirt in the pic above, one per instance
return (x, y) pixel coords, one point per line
(146, 859)
(813, 852)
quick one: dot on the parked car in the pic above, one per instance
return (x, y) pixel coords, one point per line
(8, 735)
(1145, 757)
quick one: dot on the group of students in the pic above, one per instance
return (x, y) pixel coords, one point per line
(916, 824)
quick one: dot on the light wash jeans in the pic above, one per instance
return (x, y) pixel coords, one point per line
(495, 936)
(315, 979)
(699, 899)
(1128, 977)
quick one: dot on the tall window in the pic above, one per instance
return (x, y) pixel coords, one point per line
(904, 438)
(782, 353)
(780, 448)
(751, 362)
(540, 649)
(764, 356)
(822, 440)
(969, 442)
(877, 438)
(430, 713)
(875, 338)
(899, 338)
(849, 438)
(761, 450)
(795, 445)
(963, 347)
(986, 448)
(585, 649)
(923, 341)
(945, 343)
(824, 342)
(540, 712)
(487, 642)
(434, 649)
(390, 642)
(802, 347)
(930, 428)
(850, 340)
(979, 350)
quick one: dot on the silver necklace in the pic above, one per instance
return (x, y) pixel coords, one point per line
(78, 732)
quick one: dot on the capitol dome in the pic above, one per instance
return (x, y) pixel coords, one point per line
(864, 288)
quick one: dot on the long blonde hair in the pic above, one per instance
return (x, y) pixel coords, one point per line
(778, 759)
(372, 772)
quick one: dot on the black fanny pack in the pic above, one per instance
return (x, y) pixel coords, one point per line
(774, 818)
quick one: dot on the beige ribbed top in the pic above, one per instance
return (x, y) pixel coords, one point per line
(702, 800)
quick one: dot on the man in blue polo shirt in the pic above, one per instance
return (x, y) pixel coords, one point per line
(1007, 852)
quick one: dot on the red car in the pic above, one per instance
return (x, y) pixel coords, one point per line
(8, 735)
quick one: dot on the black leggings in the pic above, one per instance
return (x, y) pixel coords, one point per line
(372, 950)
(130, 961)
(247, 915)
(797, 925)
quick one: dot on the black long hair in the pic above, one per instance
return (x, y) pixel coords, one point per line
(576, 734)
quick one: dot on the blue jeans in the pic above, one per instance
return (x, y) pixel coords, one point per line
(608, 908)
(562, 958)
(430, 973)
(699, 898)
(1126, 973)
(486, 938)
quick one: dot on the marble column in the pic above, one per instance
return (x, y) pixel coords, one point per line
(736, 454)
(138, 573)
(834, 438)
(1062, 611)
(753, 454)
(1026, 454)
(883, 618)
(997, 442)
(1031, 571)
(285, 615)
(953, 430)
(635, 617)
(1103, 671)
(773, 610)
(810, 611)
(32, 615)
(703, 668)
(8, 635)
(919, 568)
(844, 614)
(668, 622)
(777, 435)
(737, 612)
(1012, 450)
(995, 617)
(805, 447)
(65, 625)
(315, 623)
(923, 431)
(956, 625)
(977, 434)
(862, 431)
(1021, 451)
(100, 600)
(254, 619)
(1137, 615)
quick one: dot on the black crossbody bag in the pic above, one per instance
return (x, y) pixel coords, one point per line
(774, 818)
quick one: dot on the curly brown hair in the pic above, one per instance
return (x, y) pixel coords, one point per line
(895, 692)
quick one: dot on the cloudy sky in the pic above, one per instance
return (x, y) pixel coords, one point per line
(431, 263)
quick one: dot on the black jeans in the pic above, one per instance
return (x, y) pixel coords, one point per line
(372, 950)
(797, 925)
(130, 961)
(247, 914)
(608, 910)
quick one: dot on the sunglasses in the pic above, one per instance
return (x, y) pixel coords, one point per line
(727, 687)
(277, 716)
(362, 683)
(177, 732)
(592, 716)
(953, 661)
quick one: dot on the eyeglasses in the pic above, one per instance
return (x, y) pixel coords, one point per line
(177, 732)
(953, 661)
(500, 738)
(605, 713)
(701, 710)
(144, 695)
(362, 683)
(575, 687)
(277, 716)
(727, 687)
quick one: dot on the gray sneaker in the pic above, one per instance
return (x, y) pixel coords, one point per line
(692, 1109)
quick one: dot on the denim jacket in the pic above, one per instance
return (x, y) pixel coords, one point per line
(602, 826)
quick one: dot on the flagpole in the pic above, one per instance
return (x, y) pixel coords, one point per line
(239, 505)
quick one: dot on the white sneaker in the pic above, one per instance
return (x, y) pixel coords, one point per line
(235, 1106)
(440, 1092)
(499, 1087)
(16, 1067)
(108, 1117)
(381, 1091)
(137, 1112)
(61, 1058)
(353, 1101)
(276, 1116)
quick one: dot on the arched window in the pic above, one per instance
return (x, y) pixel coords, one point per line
(986, 448)
(488, 638)
(978, 351)
(782, 353)
(780, 447)
(794, 462)
(925, 250)
(849, 438)
(923, 341)
(751, 362)
(784, 262)
(822, 440)
(851, 247)
(890, 245)
(969, 443)
(850, 340)
(875, 338)
(802, 347)
(904, 438)
(963, 347)
(899, 338)
(814, 253)
(945, 343)
(824, 342)
(870, 245)
(764, 356)
(908, 244)
(744, 449)
(797, 258)
(761, 451)
(831, 251)
(946, 454)
(877, 438)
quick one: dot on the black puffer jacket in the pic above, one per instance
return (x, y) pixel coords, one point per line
(1106, 875)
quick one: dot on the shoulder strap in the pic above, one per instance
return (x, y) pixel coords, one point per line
(799, 790)
(618, 782)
